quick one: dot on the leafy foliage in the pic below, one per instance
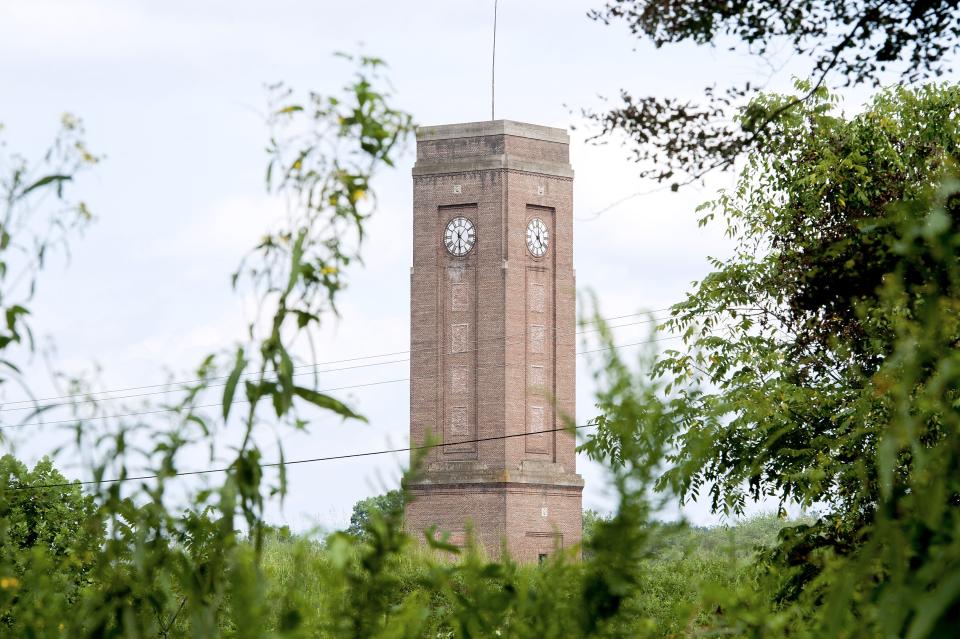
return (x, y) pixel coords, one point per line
(174, 563)
(591, 518)
(688, 560)
(820, 365)
(365, 509)
(37, 217)
(848, 42)
(48, 542)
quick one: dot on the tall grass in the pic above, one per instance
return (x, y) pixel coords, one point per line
(685, 565)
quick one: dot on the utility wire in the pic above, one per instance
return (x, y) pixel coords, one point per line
(39, 409)
(325, 390)
(167, 387)
(313, 460)
(12, 406)
(596, 214)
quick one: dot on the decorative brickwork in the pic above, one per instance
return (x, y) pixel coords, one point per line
(492, 339)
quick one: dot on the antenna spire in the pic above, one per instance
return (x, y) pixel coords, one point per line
(493, 63)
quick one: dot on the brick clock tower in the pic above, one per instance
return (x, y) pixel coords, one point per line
(492, 337)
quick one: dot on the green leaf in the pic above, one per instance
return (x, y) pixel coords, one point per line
(283, 471)
(199, 421)
(49, 179)
(239, 363)
(11, 366)
(327, 402)
(933, 606)
(296, 255)
(439, 542)
(304, 318)
(285, 376)
(12, 314)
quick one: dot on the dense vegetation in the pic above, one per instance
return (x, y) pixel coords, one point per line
(685, 565)
(820, 368)
(821, 365)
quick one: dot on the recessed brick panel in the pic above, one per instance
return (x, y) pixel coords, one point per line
(459, 338)
(459, 429)
(538, 378)
(538, 339)
(458, 380)
(536, 443)
(459, 297)
(537, 297)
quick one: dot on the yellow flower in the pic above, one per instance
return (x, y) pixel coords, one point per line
(9, 582)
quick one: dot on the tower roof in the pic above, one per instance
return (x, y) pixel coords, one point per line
(493, 127)
(492, 145)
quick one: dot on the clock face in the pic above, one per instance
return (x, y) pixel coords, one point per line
(538, 237)
(459, 236)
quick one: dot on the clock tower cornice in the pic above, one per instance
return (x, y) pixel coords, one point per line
(490, 146)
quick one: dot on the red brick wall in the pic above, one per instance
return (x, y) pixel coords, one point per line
(457, 510)
(533, 530)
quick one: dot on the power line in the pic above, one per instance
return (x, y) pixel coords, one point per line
(324, 390)
(312, 460)
(166, 387)
(248, 375)
(596, 214)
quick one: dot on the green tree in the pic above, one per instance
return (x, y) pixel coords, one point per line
(364, 509)
(785, 335)
(62, 522)
(819, 366)
(49, 540)
(590, 520)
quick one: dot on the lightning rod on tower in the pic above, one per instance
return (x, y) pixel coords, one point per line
(493, 63)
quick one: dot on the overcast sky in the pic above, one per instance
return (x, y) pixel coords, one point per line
(172, 94)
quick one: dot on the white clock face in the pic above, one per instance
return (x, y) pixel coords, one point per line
(459, 236)
(538, 237)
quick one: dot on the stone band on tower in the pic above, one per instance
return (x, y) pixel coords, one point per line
(492, 337)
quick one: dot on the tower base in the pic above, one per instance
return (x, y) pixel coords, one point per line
(531, 514)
